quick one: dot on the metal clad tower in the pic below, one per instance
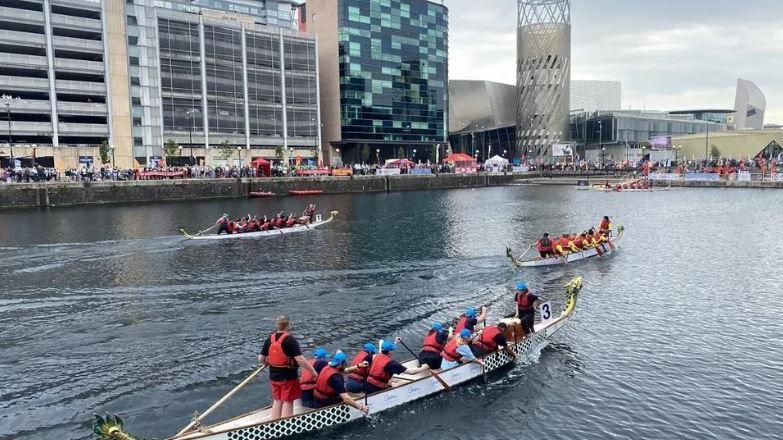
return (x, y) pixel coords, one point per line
(543, 74)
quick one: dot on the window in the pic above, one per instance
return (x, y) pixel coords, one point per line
(135, 81)
(136, 100)
(137, 122)
(132, 20)
(134, 61)
(137, 141)
(133, 40)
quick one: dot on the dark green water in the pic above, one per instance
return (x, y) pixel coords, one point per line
(676, 336)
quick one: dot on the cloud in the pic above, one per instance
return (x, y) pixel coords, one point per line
(665, 61)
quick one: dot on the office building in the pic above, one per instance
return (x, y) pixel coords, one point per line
(591, 96)
(138, 73)
(750, 105)
(543, 74)
(383, 77)
(718, 116)
(482, 118)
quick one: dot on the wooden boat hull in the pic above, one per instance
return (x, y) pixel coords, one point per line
(570, 258)
(262, 234)
(254, 426)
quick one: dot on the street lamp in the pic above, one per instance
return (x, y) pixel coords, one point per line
(378, 155)
(239, 149)
(414, 155)
(7, 100)
(112, 147)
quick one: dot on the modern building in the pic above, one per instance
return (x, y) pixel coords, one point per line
(591, 96)
(383, 77)
(137, 73)
(482, 118)
(750, 105)
(543, 74)
(718, 116)
(622, 135)
(739, 144)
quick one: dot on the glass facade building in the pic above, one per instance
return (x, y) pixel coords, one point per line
(392, 75)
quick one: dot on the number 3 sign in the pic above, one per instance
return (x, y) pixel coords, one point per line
(545, 310)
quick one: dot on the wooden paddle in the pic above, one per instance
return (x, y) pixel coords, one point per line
(434, 374)
(196, 235)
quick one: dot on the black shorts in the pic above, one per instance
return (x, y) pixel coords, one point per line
(434, 360)
(527, 322)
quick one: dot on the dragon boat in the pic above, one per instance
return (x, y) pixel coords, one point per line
(319, 221)
(258, 425)
(606, 249)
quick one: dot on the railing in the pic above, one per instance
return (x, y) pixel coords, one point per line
(23, 15)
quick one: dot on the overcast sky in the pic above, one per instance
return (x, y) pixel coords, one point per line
(669, 54)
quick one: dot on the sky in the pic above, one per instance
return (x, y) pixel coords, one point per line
(669, 54)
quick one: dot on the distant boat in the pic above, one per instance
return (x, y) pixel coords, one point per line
(283, 231)
(258, 194)
(606, 248)
(306, 192)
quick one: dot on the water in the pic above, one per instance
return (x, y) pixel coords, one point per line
(676, 336)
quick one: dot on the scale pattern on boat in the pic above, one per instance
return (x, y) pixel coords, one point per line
(307, 422)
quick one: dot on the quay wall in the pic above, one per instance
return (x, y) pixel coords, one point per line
(49, 194)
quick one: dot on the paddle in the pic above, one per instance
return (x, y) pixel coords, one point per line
(196, 235)
(434, 374)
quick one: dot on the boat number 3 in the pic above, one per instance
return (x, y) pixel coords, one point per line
(318, 217)
(546, 311)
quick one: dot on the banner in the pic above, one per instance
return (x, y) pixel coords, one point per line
(562, 150)
(318, 172)
(387, 172)
(703, 177)
(342, 172)
(661, 142)
(420, 171)
(743, 176)
(664, 176)
(521, 169)
(466, 170)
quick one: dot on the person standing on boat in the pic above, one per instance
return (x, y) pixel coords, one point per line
(282, 353)
(433, 345)
(355, 382)
(307, 380)
(490, 340)
(526, 307)
(545, 246)
(330, 386)
(457, 351)
(605, 227)
(469, 320)
(384, 368)
(222, 224)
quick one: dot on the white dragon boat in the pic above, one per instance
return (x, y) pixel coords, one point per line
(606, 249)
(258, 425)
(319, 221)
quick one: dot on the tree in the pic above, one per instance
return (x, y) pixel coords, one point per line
(715, 153)
(105, 151)
(226, 150)
(170, 148)
(279, 153)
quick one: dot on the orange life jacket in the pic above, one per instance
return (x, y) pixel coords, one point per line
(307, 380)
(604, 226)
(523, 301)
(324, 391)
(360, 374)
(277, 357)
(450, 352)
(487, 340)
(431, 343)
(378, 375)
(462, 323)
(547, 246)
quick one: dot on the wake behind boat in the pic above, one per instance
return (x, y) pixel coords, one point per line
(298, 227)
(259, 425)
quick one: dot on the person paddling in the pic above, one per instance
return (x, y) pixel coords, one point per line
(457, 351)
(330, 385)
(222, 224)
(307, 380)
(433, 345)
(357, 378)
(384, 368)
(490, 340)
(469, 320)
(526, 311)
(545, 246)
(282, 353)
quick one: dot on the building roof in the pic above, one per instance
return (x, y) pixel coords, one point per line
(696, 111)
(737, 144)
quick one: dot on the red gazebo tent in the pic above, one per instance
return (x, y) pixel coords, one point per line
(399, 163)
(459, 158)
(262, 165)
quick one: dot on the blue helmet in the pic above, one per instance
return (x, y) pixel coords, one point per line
(320, 353)
(369, 348)
(438, 327)
(465, 333)
(471, 312)
(338, 359)
(521, 285)
(388, 346)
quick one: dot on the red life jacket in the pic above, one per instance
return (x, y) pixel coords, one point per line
(266, 226)
(277, 357)
(377, 375)
(450, 351)
(543, 246)
(461, 324)
(564, 243)
(523, 301)
(604, 225)
(290, 222)
(230, 226)
(487, 340)
(431, 343)
(307, 379)
(360, 374)
(322, 390)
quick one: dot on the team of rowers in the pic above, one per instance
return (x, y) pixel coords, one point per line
(254, 224)
(594, 238)
(635, 184)
(325, 382)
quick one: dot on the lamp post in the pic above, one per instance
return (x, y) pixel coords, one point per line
(7, 100)
(414, 155)
(239, 150)
(378, 155)
(337, 159)
(112, 147)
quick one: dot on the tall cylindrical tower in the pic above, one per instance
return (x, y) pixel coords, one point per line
(543, 75)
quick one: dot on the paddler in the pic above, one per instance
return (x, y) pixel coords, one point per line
(545, 246)
(457, 351)
(282, 353)
(358, 377)
(307, 380)
(469, 320)
(384, 368)
(330, 385)
(605, 227)
(266, 224)
(525, 301)
(432, 346)
(585, 242)
(492, 338)
(290, 222)
(222, 224)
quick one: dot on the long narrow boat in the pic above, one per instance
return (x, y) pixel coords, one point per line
(570, 258)
(319, 221)
(257, 425)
